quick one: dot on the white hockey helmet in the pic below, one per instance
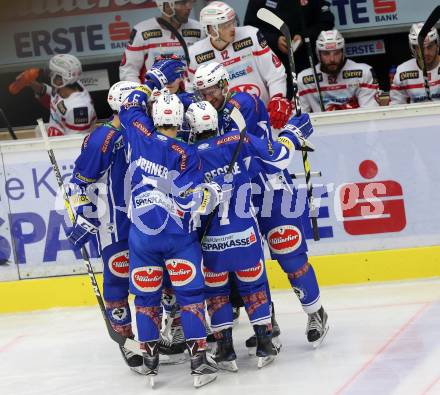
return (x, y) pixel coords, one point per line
(160, 4)
(414, 35)
(202, 117)
(329, 40)
(210, 74)
(66, 66)
(119, 92)
(214, 14)
(167, 111)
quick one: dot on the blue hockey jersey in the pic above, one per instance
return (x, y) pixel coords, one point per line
(162, 172)
(99, 175)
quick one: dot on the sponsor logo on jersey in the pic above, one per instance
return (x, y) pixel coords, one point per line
(183, 155)
(84, 178)
(261, 40)
(409, 75)
(310, 79)
(155, 33)
(156, 198)
(251, 274)
(284, 239)
(142, 128)
(105, 144)
(237, 74)
(352, 74)
(80, 115)
(231, 240)
(181, 271)
(252, 89)
(147, 279)
(162, 137)
(203, 146)
(213, 279)
(61, 107)
(230, 139)
(118, 264)
(191, 33)
(235, 103)
(205, 56)
(245, 43)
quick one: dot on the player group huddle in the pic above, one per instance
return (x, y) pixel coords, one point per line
(175, 186)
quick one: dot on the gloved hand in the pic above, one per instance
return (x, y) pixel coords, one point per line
(82, 230)
(298, 129)
(279, 109)
(215, 193)
(164, 72)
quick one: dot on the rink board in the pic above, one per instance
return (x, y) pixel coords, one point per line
(388, 155)
(67, 291)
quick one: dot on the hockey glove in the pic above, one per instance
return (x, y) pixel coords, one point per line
(279, 109)
(297, 130)
(165, 72)
(215, 194)
(82, 231)
(24, 79)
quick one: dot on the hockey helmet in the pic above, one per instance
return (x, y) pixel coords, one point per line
(214, 14)
(414, 35)
(210, 74)
(65, 66)
(202, 117)
(329, 40)
(119, 92)
(167, 111)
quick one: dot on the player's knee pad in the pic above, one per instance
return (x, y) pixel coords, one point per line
(148, 316)
(189, 296)
(257, 306)
(168, 299)
(305, 285)
(119, 315)
(193, 320)
(220, 312)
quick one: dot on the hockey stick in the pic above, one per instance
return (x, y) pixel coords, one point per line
(8, 125)
(129, 344)
(429, 24)
(179, 37)
(237, 117)
(272, 19)
(315, 75)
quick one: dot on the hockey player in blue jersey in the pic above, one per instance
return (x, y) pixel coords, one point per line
(164, 175)
(285, 236)
(234, 231)
(96, 186)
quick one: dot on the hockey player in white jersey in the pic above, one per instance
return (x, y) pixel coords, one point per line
(244, 52)
(344, 84)
(150, 39)
(71, 107)
(408, 85)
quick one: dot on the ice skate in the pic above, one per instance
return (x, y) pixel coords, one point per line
(203, 367)
(225, 354)
(172, 349)
(317, 327)
(266, 351)
(251, 343)
(151, 361)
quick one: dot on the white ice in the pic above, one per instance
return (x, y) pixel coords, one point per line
(383, 339)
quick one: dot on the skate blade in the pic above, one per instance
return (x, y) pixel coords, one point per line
(175, 359)
(151, 379)
(230, 366)
(203, 379)
(264, 361)
(140, 369)
(318, 342)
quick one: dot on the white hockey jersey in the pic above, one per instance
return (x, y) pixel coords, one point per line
(72, 115)
(354, 86)
(408, 85)
(251, 64)
(149, 40)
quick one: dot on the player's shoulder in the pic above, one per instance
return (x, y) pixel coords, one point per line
(240, 100)
(247, 37)
(101, 140)
(200, 46)
(148, 29)
(408, 66)
(149, 23)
